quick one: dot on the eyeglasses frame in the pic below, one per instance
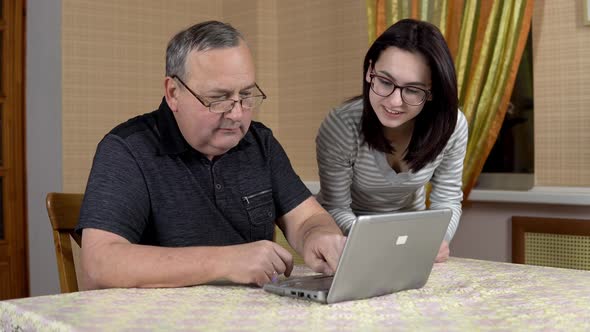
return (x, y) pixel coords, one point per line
(427, 93)
(208, 105)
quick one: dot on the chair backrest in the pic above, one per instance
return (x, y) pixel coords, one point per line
(554, 242)
(64, 211)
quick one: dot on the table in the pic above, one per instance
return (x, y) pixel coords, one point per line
(461, 295)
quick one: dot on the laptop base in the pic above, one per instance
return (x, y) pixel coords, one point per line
(314, 288)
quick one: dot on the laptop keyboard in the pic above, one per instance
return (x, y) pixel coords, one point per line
(319, 282)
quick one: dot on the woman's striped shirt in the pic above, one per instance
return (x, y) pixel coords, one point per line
(355, 179)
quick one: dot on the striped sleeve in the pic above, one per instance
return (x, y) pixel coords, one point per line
(336, 144)
(447, 178)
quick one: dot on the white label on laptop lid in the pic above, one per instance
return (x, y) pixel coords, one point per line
(402, 239)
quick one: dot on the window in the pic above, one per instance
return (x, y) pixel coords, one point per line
(510, 165)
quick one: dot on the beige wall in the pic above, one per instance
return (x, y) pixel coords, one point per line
(321, 50)
(561, 51)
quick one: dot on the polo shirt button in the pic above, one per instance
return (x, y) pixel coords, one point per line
(217, 186)
(269, 213)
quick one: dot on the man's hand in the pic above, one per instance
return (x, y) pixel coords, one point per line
(443, 253)
(257, 262)
(312, 232)
(322, 251)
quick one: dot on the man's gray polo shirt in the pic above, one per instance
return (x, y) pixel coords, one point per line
(149, 186)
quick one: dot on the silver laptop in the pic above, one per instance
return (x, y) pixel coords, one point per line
(384, 253)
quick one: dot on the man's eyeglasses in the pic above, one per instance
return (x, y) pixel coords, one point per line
(226, 105)
(411, 95)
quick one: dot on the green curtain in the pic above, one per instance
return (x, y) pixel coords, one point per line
(487, 39)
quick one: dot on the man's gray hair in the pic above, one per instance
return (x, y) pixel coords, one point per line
(201, 37)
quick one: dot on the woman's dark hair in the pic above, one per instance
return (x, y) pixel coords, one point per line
(436, 122)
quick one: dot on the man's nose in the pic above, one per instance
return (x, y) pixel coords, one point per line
(236, 112)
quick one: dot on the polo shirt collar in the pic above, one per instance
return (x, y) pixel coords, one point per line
(171, 139)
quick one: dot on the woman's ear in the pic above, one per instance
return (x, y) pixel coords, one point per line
(369, 71)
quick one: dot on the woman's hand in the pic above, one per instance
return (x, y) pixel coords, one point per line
(443, 253)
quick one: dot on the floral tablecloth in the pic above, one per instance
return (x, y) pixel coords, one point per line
(461, 295)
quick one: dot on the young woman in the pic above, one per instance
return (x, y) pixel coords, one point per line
(377, 151)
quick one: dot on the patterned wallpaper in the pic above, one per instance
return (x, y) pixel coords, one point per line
(561, 55)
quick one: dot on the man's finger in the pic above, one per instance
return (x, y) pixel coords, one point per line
(332, 259)
(320, 266)
(334, 252)
(286, 258)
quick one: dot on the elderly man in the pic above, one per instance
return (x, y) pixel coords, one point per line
(190, 193)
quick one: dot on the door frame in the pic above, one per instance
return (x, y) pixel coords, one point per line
(13, 172)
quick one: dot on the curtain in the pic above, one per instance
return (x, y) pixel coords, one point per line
(487, 39)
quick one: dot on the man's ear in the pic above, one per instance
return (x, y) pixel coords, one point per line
(171, 93)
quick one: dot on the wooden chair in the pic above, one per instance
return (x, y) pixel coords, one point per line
(64, 211)
(554, 242)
